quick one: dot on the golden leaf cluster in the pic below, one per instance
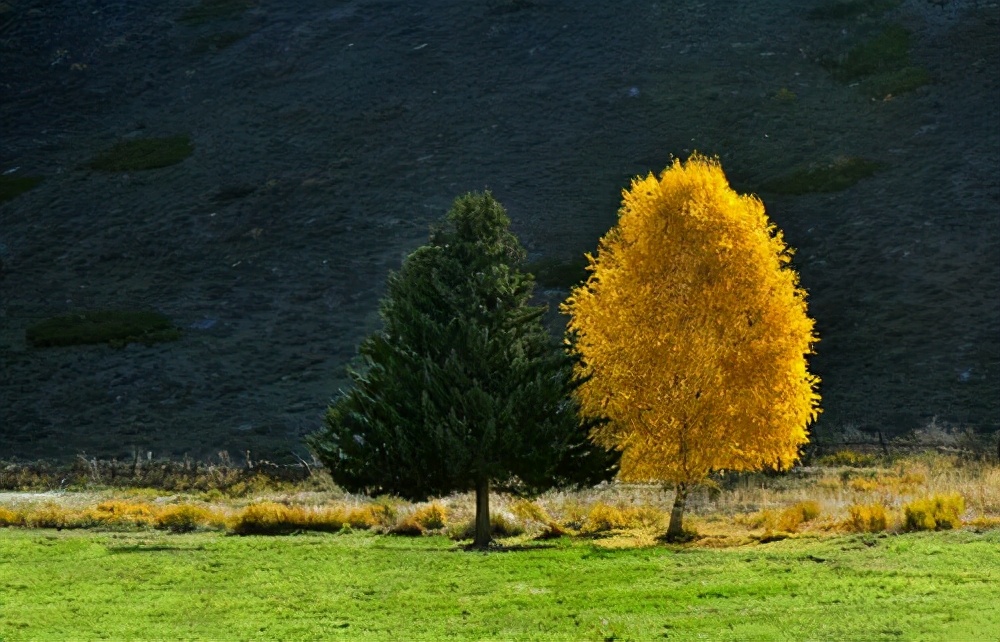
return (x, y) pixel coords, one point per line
(693, 332)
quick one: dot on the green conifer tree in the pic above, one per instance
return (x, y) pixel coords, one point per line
(463, 386)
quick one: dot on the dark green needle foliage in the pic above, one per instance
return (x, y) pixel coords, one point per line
(463, 386)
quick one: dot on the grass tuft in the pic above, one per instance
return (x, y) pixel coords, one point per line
(603, 518)
(114, 327)
(850, 458)
(143, 153)
(184, 518)
(13, 186)
(881, 65)
(843, 9)
(867, 518)
(833, 177)
(937, 512)
(797, 514)
(211, 10)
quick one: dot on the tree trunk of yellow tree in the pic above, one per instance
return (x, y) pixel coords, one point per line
(676, 529)
(482, 513)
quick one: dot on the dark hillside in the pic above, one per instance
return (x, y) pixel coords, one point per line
(309, 144)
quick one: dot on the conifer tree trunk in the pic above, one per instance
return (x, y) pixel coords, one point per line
(482, 513)
(676, 529)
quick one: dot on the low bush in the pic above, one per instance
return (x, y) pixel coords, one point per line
(13, 186)
(938, 512)
(52, 515)
(210, 10)
(867, 518)
(424, 518)
(270, 518)
(183, 518)
(378, 515)
(528, 511)
(604, 517)
(140, 154)
(408, 526)
(849, 458)
(831, 177)
(114, 327)
(10, 517)
(793, 516)
(501, 525)
(431, 517)
(863, 484)
(116, 513)
(843, 9)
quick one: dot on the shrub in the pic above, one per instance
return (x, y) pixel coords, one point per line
(938, 512)
(529, 511)
(843, 9)
(114, 327)
(12, 186)
(761, 519)
(864, 484)
(603, 517)
(408, 526)
(143, 153)
(793, 516)
(830, 177)
(431, 517)
(501, 525)
(553, 530)
(372, 516)
(182, 518)
(209, 10)
(867, 518)
(268, 518)
(849, 458)
(10, 517)
(52, 515)
(331, 519)
(119, 513)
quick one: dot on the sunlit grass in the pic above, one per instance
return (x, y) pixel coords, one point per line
(360, 586)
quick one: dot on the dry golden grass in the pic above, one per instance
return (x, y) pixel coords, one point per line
(905, 493)
(867, 518)
(937, 512)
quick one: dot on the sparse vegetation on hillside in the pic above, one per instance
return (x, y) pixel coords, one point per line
(12, 185)
(140, 154)
(832, 177)
(114, 327)
(881, 65)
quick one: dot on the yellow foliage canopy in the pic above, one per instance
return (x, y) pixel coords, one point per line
(694, 333)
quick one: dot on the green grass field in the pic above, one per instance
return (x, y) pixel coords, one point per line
(149, 585)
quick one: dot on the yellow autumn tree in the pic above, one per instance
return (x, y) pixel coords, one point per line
(693, 334)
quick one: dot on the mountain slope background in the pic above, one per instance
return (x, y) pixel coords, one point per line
(329, 134)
